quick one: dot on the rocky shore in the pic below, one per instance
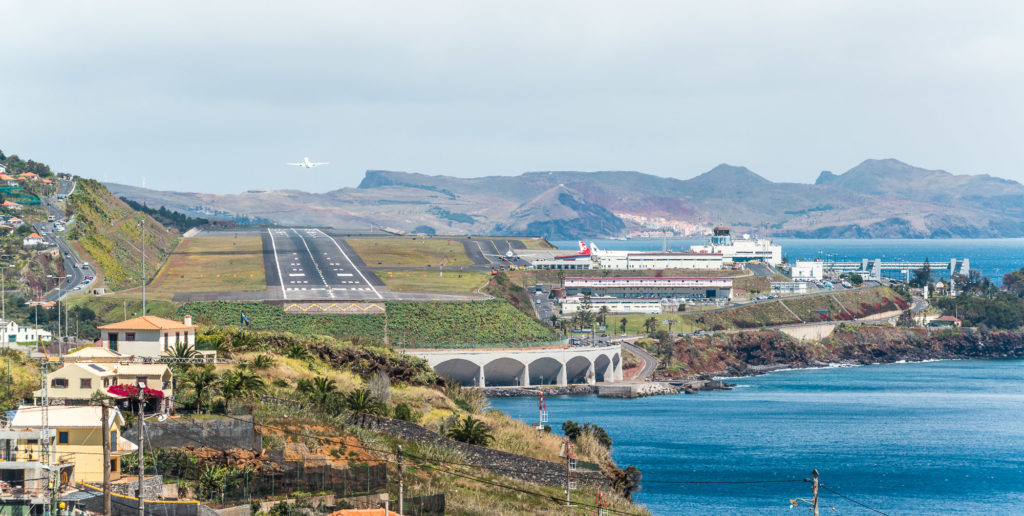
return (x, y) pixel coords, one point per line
(548, 390)
(616, 390)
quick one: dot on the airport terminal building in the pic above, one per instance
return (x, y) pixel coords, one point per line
(689, 289)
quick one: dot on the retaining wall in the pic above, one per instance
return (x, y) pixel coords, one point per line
(503, 463)
(221, 433)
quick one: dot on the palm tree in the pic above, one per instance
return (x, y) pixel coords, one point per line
(201, 381)
(470, 431)
(622, 324)
(241, 383)
(182, 350)
(363, 402)
(650, 323)
(553, 319)
(262, 362)
(602, 315)
(319, 390)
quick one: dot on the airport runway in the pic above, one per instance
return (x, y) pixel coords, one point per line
(304, 263)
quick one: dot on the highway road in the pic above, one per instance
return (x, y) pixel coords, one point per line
(650, 363)
(310, 264)
(72, 263)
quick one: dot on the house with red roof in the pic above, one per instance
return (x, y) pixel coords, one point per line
(32, 240)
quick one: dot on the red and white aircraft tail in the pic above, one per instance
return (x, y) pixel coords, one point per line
(583, 248)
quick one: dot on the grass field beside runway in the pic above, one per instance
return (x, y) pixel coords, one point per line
(225, 263)
(409, 251)
(455, 282)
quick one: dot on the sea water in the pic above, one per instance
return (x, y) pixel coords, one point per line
(942, 437)
(992, 256)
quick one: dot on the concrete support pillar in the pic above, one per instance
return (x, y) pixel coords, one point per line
(524, 377)
(561, 375)
(480, 379)
(609, 372)
(618, 370)
(590, 376)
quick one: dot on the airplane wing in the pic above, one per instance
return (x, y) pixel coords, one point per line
(296, 164)
(319, 164)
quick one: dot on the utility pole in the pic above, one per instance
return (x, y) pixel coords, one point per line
(814, 492)
(106, 456)
(143, 290)
(142, 457)
(401, 467)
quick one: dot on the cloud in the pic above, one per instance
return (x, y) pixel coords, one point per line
(217, 96)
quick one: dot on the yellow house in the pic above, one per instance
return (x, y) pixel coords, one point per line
(76, 382)
(147, 336)
(78, 438)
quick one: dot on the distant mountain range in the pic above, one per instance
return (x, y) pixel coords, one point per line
(876, 199)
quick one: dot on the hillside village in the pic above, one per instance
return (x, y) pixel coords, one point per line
(218, 390)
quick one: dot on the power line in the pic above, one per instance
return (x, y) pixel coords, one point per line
(841, 495)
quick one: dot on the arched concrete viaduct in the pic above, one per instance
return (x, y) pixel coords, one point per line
(532, 366)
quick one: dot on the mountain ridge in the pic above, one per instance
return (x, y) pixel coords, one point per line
(878, 198)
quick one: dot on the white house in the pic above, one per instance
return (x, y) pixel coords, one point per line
(10, 332)
(807, 270)
(147, 336)
(32, 240)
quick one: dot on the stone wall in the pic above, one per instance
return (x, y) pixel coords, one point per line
(548, 390)
(503, 463)
(152, 487)
(222, 433)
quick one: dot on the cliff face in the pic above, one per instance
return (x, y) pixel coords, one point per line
(753, 352)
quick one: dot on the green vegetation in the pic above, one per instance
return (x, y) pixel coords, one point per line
(433, 281)
(845, 305)
(108, 230)
(168, 218)
(212, 264)
(410, 251)
(319, 404)
(451, 216)
(413, 325)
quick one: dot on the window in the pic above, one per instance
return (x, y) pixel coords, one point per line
(177, 338)
(141, 379)
(62, 437)
(112, 339)
(129, 336)
(113, 445)
(85, 383)
(167, 337)
(106, 382)
(59, 383)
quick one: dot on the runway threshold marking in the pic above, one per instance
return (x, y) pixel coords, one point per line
(359, 272)
(277, 263)
(315, 266)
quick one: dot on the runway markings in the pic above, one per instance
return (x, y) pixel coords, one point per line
(277, 262)
(353, 265)
(317, 267)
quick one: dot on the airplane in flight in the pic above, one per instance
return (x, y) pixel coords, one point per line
(305, 163)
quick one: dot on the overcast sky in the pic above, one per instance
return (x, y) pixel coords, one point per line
(217, 96)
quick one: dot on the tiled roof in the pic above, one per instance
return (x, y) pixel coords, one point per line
(147, 322)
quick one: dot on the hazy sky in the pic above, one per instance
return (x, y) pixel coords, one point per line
(217, 96)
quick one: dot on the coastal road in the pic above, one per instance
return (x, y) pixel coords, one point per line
(307, 263)
(72, 264)
(650, 363)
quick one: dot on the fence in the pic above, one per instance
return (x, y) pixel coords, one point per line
(429, 505)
